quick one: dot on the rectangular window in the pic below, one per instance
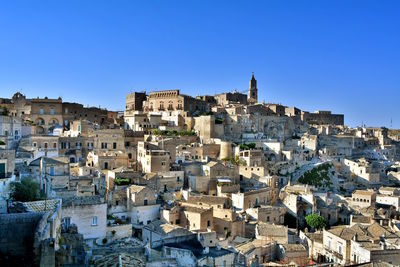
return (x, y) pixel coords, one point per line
(66, 222)
(41, 111)
(52, 111)
(94, 220)
(114, 145)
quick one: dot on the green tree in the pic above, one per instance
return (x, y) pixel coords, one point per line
(316, 221)
(26, 190)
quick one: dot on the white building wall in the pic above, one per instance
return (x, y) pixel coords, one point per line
(143, 214)
(82, 216)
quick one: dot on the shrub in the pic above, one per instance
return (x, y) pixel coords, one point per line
(317, 176)
(122, 181)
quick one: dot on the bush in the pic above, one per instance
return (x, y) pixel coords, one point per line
(247, 146)
(173, 133)
(25, 191)
(317, 176)
(122, 181)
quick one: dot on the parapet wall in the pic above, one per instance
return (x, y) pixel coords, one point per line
(17, 234)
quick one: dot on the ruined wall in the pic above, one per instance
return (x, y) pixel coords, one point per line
(17, 232)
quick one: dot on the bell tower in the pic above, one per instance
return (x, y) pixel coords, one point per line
(252, 96)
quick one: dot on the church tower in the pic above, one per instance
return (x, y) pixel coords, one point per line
(252, 97)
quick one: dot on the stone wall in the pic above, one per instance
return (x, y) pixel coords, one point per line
(121, 231)
(17, 236)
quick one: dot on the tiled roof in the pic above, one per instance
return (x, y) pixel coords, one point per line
(47, 160)
(194, 209)
(42, 205)
(166, 228)
(363, 232)
(210, 200)
(136, 188)
(364, 192)
(266, 229)
(294, 247)
(119, 259)
(90, 200)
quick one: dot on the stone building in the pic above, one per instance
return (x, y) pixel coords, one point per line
(360, 243)
(225, 99)
(256, 252)
(75, 148)
(75, 111)
(141, 205)
(279, 110)
(89, 214)
(254, 198)
(363, 198)
(152, 158)
(173, 100)
(272, 232)
(134, 101)
(46, 114)
(52, 174)
(7, 167)
(10, 130)
(142, 121)
(158, 230)
(363, 171)
(269, 214)
(190, 251)
(197, 218)
(322, 117)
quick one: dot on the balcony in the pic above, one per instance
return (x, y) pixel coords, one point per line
(334, 253)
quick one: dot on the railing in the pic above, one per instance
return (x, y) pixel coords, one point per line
(57, 174)
(336, 254)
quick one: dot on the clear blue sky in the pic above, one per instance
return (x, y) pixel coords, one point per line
(337, 55)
